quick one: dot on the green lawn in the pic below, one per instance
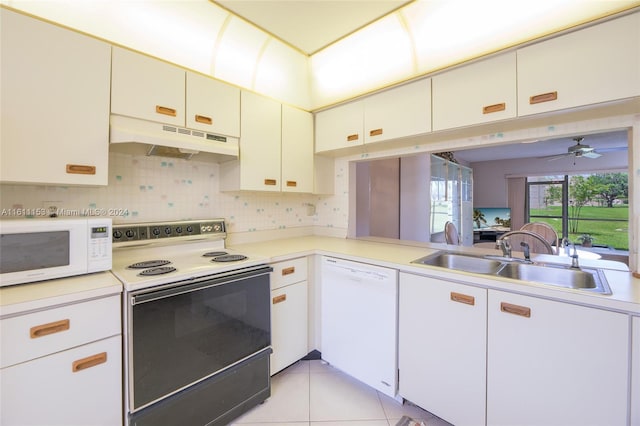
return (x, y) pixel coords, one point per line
(614, 234)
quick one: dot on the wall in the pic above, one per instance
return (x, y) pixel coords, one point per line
(163, 189)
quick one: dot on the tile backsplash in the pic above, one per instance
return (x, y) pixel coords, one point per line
(145, 189)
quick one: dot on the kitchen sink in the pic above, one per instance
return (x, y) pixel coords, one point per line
(586, 279)
(461, 262)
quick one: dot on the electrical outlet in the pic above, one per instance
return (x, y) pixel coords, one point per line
(311, 209)
(52, 207)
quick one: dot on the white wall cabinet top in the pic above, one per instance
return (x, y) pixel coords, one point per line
(297, 150)
(477, 93)
(212, 106)
(597, 64)
(339, 127)
(54, 105)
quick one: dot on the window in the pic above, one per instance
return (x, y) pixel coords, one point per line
(590, 209)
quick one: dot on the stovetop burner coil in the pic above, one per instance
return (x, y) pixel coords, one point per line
(157, 271)
(214, 253)
(148, 264)
(229, 258)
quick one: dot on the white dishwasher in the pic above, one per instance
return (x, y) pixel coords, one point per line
(359, 319)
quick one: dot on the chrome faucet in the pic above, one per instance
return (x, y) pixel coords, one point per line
(574, 258)
(527, 253)
(505, 245)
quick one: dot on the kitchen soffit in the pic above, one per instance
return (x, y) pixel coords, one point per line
(310, 26)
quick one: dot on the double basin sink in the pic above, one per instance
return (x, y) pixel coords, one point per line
(587, 279)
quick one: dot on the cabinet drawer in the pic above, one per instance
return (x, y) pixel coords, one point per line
(41, 333)
(79, 386)
(288, 272)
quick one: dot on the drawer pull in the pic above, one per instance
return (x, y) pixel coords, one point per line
(463, 298)
(81, 169)
(523, 311)
(279, 299)
(204, 119)
(288, 271)
(165, 111)
(352, 138)
(88, 362)
(494, 108)
(50, 328)
(292, 183)
(375, 132)
(271, 182)
(543, 97)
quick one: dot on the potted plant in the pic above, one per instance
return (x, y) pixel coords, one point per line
(586, 240)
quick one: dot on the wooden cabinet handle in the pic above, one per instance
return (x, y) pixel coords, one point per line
(288, 271)
(49, 328)
(81, 169)
(375, 132)
(271, 182)
(494, 108)
(165, 111)
(204, 119)
(292, 183)
(463, 298)
(279, 299)
(352, 138)
(88, 362)
(543, 97)
(509, 308)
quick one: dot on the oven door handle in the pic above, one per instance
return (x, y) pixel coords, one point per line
(189, 286)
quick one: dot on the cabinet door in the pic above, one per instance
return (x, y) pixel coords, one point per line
(212, 106)
(481, 92)
(54, 104)
(80, 386)
(297, 150)
(288, 325)
(147, 88)
(555, 363)
(398, 112)
(261, 134)
(340, 127)
(442, 348)
(635, 372)
(597, 64)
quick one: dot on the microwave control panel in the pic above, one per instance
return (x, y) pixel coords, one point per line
(99, 245)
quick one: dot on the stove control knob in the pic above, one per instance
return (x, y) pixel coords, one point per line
(217, 227)
(156, 232)
(129, 233)
(117, 234)
(178, 229)
(167, 230)
(189, 229)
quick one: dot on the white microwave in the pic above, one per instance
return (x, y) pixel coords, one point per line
(43, 249)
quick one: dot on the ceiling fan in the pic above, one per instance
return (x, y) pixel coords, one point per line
(579, 150)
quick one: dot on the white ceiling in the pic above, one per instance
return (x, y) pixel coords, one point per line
(602, 142)
(311, 25)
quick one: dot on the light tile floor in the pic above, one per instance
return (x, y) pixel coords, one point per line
(314, 393)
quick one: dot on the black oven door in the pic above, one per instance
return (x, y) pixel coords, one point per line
(181, 334)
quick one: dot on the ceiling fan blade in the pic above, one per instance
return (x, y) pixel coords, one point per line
(556, 157)
(613, 149)
(591, 154)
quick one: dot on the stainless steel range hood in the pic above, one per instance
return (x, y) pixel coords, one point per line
(141, 137)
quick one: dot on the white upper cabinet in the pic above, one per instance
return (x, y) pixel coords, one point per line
(395, 113)
(398, 112)
(212, 106)
(297, 150)
(147, 88)
(54, 104)
(477, 93)
(340, 127)
(597, 64)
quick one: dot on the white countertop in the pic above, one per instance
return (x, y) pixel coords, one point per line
(625, 298)
(22, 298)
(625, 288)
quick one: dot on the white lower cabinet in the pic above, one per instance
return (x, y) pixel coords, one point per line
(554, 363)
(635, 372)
(442, 347)
(63, 366)
(79, 386)
(289, 313)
